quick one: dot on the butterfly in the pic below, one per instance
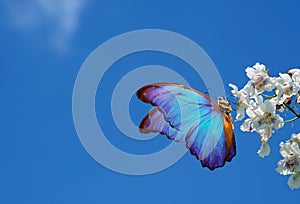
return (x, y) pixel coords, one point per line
(186, 115)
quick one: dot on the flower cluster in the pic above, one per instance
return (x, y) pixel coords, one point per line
(290, 165)
(261, 101)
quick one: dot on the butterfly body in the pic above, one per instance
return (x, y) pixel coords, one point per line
(186, 115)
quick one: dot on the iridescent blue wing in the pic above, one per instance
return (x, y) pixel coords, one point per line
(184, 114)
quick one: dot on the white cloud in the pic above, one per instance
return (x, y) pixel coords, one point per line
(59, 17)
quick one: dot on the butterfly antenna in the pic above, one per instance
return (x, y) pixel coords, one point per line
(207, 93)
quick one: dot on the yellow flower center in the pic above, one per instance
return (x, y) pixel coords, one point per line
(267, 118)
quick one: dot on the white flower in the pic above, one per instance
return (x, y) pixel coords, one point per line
(235, 91)
(296, 138)
(265, 134)
(266, 117)
(294, 181)
(264, 150)
(263, 120)
(291, 72)
(243, 100)
(247, 126)
(290, 165)
(291, 155)
(295, 74)
(260, 80)
(261, 107)
(286, 88)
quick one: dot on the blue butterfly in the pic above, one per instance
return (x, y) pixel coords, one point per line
(186, 115)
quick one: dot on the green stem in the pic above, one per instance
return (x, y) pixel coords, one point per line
(291, 120)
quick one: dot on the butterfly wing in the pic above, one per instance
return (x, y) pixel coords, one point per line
(184, 114)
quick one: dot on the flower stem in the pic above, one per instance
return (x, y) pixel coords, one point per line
(290, 120)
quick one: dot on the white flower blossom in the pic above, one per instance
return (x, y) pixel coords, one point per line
(247, 126)
(294, 181)
(291, 72)
(296, 138)
(260, 80)
(290, 165)
(286, 88)
(288, 151)
(264, 150)
(262, 119)
(265, 116)
(260, 110)
(295, 74)
(243, 100)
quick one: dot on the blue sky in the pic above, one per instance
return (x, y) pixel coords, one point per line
(43, 48)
